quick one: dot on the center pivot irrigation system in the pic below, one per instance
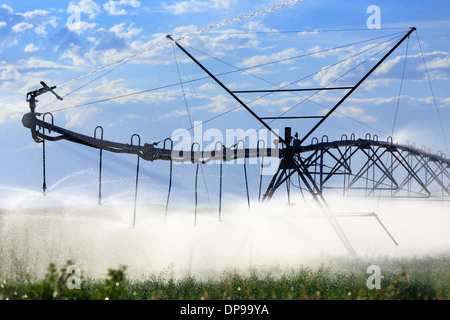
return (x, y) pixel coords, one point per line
(411, 172)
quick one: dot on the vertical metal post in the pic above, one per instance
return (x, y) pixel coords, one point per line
(352, 138)
(368, 167)
(391, 169)
(287, 142)
(409, 161)
(374, 138)
(137, 178)
(100, 164)
(44, 184)
(345, 162)
(321, 166)
(314, 139)
(321, 172)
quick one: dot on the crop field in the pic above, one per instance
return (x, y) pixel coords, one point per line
(425, 278)
(95, 254)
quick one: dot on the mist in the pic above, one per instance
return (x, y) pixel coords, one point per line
(180, 243)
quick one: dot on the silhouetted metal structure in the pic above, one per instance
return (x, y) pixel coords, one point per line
(350, 166)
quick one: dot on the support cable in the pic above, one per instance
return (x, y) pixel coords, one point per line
(393, 40)
(432, 92)
(400, 90)
(201, 168)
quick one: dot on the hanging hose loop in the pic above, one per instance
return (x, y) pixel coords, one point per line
(264, 147)
(237, 148)
(213, 153)
(196, 196)
(171, 144)
(220, 175)
(193, 158)
(100, 164)
(139, 139)
(245, 168)
(43, 119)
(137, 176)
(170, 177)
(44, 183)
(262, 166)
(101, 132)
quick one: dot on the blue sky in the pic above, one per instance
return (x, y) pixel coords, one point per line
(60, 42)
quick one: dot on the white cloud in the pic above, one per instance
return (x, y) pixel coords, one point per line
(77, 56)
(81, 26)
(277, 56)
(352, 112)
(437, 63)
(9, 72)
(304, 84)
(6, 113)
(330, 73)
(116, 7)
(106, 89)
(131, 32)
(37, 20)
(22, 26)
(223, 4)
(183, 7)
(88, 7)
(218, 44)
(133, 3)
(78, 118)
(440, 62)
(174, 113)
(31, 48)
(25, 74)
(113, 9)
(34, 14)
(194, 6)
(38, 63)
(218, 103)
(207, 86)
(318, 52)
(7, 8)
(312, 32)
(258, 26)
